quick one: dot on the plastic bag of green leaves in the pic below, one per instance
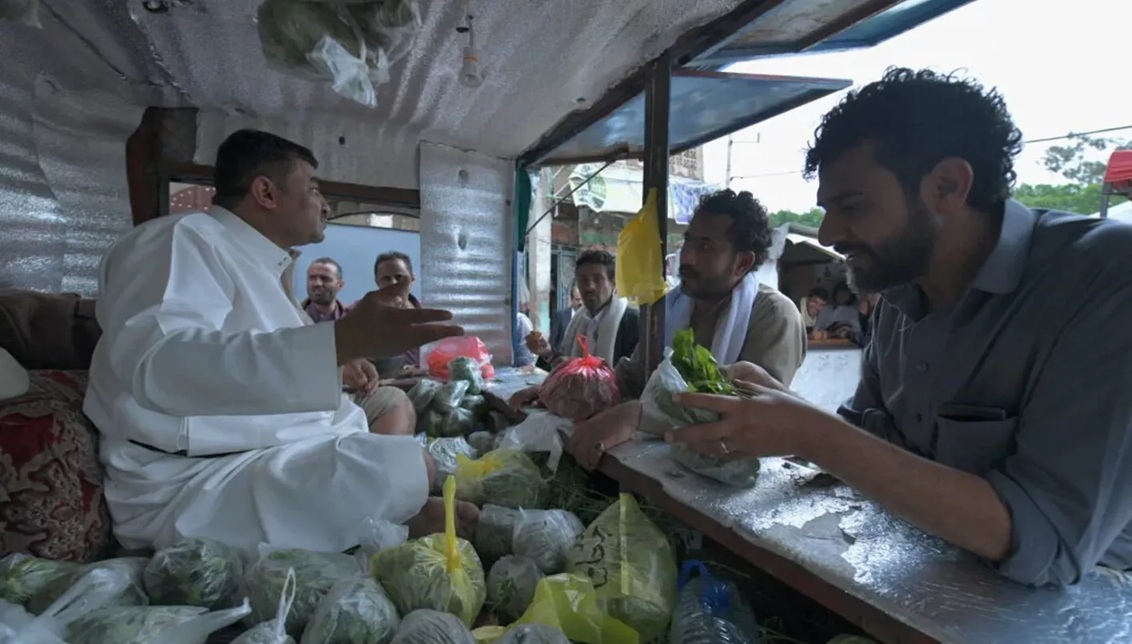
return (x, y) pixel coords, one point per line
(444, 450)
(687, 367)
(742, 472)
(432, 627)
(422, 394)
(469, 371)
(127, 568)
(632, 567)
(24, 578)
(273, 631)
(429, 422)
(315, 574)
(482, 442)
(438, 572)
(511, 586)
(355, 610)
(195, 572)
(458, 422)
(533, 634)
(146, 624)
(475, 404)
(503, 477)
(546, 537)
(91, 592)
(495, 532)
(449, 396)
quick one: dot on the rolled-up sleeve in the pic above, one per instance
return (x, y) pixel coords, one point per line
(1068, 485)
(162, 308)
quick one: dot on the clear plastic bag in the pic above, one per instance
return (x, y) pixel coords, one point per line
(546, 537)
(449, 396)
(438, 572)
(377, 535)
(195, 572)
(422, 394)
(739, 473)
(475, 403)
(25, 579)
(197, 630)
(447, 350)
(657, 398)
(511, 587)
(444, 451)
(539, 432)
(426, 626)
(24, 12)
(315, 574)
(533, 634)
(91, 592)
(495, 532)
(482, 442)
(467, 370)
(355, 610)
(632, 566)
(148, 624)
(273, 631)
(503, 477)
(458, 422)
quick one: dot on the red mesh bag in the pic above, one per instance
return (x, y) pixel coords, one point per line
(581, 387)
(465, 347)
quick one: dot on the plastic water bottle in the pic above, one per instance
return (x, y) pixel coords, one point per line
(711, 611)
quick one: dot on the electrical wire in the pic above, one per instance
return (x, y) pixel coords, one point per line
(1027, 142)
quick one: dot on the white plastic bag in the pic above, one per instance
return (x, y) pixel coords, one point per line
(377, 535)
(196, 631)
(24, 12)
(539, 432)
(273, 631)
(92, 591)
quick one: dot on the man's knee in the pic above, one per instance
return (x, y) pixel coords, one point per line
(389, 411)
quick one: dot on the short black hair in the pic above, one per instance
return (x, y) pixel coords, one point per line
(918, 118)
(391, 255)
(331, 262)
(604, 258)
(247, 154)
(819, 293)
(750, 230)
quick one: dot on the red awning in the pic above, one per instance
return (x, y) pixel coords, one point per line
(1119, 169)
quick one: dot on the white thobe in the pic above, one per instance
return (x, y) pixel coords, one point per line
(203, 353)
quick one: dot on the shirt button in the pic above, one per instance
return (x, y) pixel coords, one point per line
(922, 367)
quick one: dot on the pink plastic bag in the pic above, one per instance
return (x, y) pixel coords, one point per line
(581, 387)
(449, 349)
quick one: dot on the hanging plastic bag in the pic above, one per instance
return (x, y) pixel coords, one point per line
(273, 631)
(495, 532)
(426, 626)
(355, 610)
(195, 572)
(315, 574)
(91, 592)
(438, 572)
(546, 537)
(570, 603)
(422, 394)
(639, 261)
(581, 387)
(449, 349)
(321, 42)
(711, 610)
(503, 477)
(24, 12)
(511, 587)
(467, 370)
(444, 452)
(539, 432)
(632, 567)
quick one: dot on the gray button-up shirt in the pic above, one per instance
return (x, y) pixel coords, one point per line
(1027, 381)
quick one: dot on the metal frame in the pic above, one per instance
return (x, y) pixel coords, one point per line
(658, 98)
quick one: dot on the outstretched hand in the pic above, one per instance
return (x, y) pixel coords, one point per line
(378, 326)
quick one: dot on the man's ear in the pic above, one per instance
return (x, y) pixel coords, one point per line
(946, 187)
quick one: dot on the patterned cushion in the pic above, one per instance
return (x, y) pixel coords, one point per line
(51, 502)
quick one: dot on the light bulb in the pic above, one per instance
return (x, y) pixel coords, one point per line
(470, 69)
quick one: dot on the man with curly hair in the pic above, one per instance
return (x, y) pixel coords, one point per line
(721, 300)
(993, 406)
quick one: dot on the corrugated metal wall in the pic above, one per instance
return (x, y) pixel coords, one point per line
(466, 242)
(63, 196)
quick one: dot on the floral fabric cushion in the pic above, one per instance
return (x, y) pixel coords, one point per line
(51, 502)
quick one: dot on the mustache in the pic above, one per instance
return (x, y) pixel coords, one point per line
(688, 271)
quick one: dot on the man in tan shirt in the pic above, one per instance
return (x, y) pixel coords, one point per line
(728, 238)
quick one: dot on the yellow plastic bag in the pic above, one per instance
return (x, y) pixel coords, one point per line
(439, 572)
(570, 603)
(632, 566)
(639, 261)
(506, 478)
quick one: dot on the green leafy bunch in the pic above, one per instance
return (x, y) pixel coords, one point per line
(698, 367)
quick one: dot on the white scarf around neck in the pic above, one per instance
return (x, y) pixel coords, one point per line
(730, 328)
(606, 330)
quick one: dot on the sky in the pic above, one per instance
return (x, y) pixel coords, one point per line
(1059, 70)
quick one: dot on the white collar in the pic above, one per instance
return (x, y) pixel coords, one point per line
(260, 248)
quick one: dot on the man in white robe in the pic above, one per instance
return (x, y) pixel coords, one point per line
(220, 409)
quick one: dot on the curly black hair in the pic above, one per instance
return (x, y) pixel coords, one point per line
(750, 230)
(601, 258)
(917, 118)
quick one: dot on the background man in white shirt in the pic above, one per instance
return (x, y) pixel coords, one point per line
(221, 409)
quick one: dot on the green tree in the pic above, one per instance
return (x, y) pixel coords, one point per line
(1073, 161)
(810, 218)
(1070, 197)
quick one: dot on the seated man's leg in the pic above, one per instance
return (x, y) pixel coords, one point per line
(389, 411)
